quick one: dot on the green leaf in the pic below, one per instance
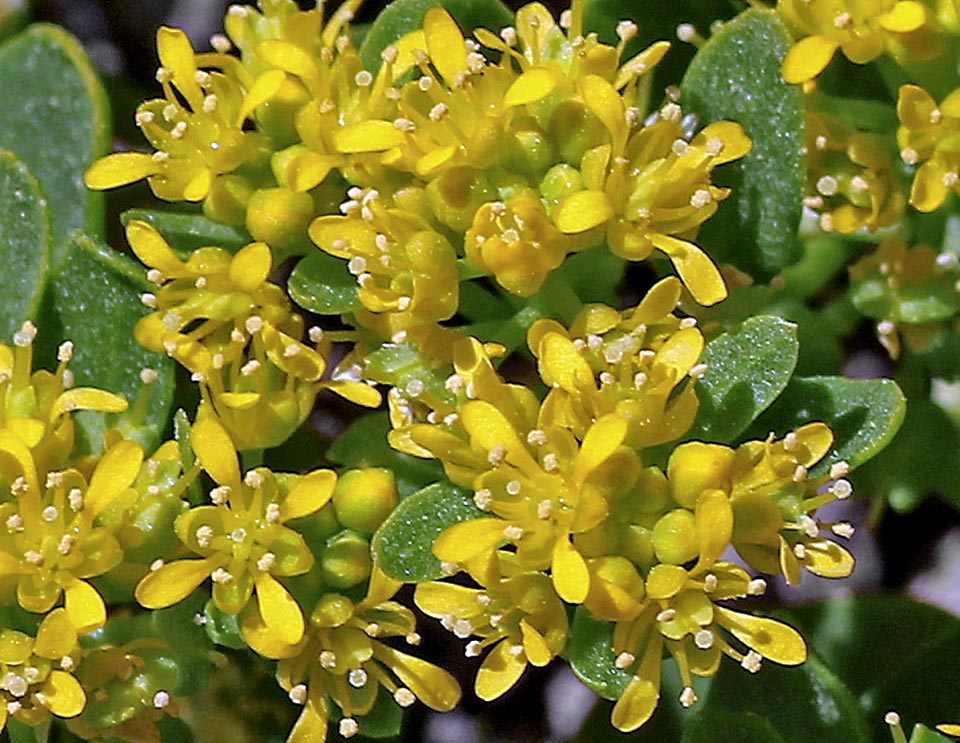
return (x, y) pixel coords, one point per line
(929, 301)
(716, 723)
(384, 720)
(923, 734)
(892, 652)
(20, 732)
(590, 653)
(803, 704)
(400, 364)
(24, 244)
(222, 628)
(736, 75)
(864, 415)
(97, 308)
(747, 369)
(55, 117)
(364, 444)
(321, 283)
(403, 16)
(402, 544)
(187, 232)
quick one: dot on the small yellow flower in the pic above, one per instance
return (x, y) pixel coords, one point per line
(517, 615)
(850, 181)
(35, 673)
(640, 363)
(406, 272)
(861, 29)
(36, 406)
(51, 544)
(929, 135)
(682, 616)
(342, 658)
(242, 541)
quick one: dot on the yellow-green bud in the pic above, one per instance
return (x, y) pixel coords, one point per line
(756, 519)
(279, 217)
(346, 560)
(332, 610)
(456, 195)
(527, 148)
(560, 181)
(365, 497)
(575, 130)
(636, 544)
(675, 537)
(278, 115)
(601, 540)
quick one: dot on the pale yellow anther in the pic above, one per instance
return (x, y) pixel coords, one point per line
(156, 565)
(820, 142)
(204, 534)
(752, 661)
(483, 499)
(404, 125)
(626, 31)
(497, 454)
(210, 103)
(625, 660)
(221, 576)
(800, 550)
(220, 43)
(843, 20)
(143, 117)
(363, 79)
(413, 639)
(389, 54)
(404, 697)
(179, 130)
(839, 469)
(843, 529)
(667, 615)
(756, 587)
(827, 185)
(298, 694)
(328, 659)
(66, 544)
(26, 335)
(842, 489)
(688, 697)
(33, 557)
(219, 495)
(551, 462)
(909, 155)
(161, 699)
(513, 533)
(75, 499)
(348, 727)
(14, 522)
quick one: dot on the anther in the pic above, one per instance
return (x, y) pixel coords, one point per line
(483, 499)
(827, 185)
(550, 462)
(298, 694)
(800, 473)
(843, 529)
(349, 727)
(752, 661)
(756, 587)
(626, 31)
(688, 697)
(544, 509)
(710, 583)
(667, 615)
(357, 678)
(204, 534)
(221, 576)
(26, 335)
(537, 437)
(842, 489)
(161, 699)
(625, 660)
(328, 659)
(404, 697)
(513, 533)
(496, 455)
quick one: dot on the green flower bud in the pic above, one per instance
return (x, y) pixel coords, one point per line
(560, 181)
(277, 116)
(456, 195)
(675, 537)
(365, 497)
(636, 544)
(332, 610)
(528, 148)
(227, 200)
(346, 560)
(575, 130)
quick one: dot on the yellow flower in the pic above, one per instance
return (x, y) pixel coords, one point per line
(51, 543)
(196, 128)
(682, 616)
(861, 29)
(36, 406)
(342, 658)
(634, 363)
(517, 615)
(928, 136)
(850, 177)
(242, 541)
(406, 272)
(35, 678)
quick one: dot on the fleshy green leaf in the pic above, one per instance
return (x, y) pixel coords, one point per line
(736, 75)
(892, 652)
(403, 16)
(590, 652)
(364, 444)
(923, 734)
(716, 723)
(747, 369)
(401, 545)
(864, 414)
(187, 232)
(399, 364)
(222, 628)
(321, 283)
(20, 732)
(384, 720)
(97, 307)
(24, 244)
(55, 117)
(803, 704)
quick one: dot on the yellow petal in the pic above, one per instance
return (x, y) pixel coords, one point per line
(827, 559)
(84, 606)
(216, 452)
(696, 467)
(571, 578)
(789, 564)
(714, 520)
(87, 398)
(538, 653)
(198, 187)
(531, 86)
(665, 581)
(929, 191)
(263, 640)
(307, 171)
(431, 685)
(262, 90)
(439, 599)
(774, 640)
(24, 465)
(445, 43)
(407, 51)
(499, 671)
(251, 266)
(562, 364)
(368, 136)
(603, 438)
(280, 611)
(63, 695)
(115, 472)
(466, 540)
(816, 439)
(808, 58)
(288, 57)
(311, 725)
(152, 250)
(489, 428)
(583, 211)
(697, 271)
(949, 728)
(605, 103)
(641, 697)
(173, 582)
(904, 17)
(176, 55)
(359, 393)
(310, 493)
(120, 169)
(56, 636)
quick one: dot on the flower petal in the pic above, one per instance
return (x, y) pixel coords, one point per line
(63, 695)
(216, 452)
(150, 247)
(603, 438)
(280, 611)
(641, 697)
(56, 636)
(583, 211)
(431, 685)
(714, 519)
(310, 493)
(84, 606)
(115, 472)
(697, 271)
(500, 670)
(251, 266)
(367, 136)
(119, 169)
(808, 58)
(538, 653)
(774, 640)
(531, 86)
(571, 578)
(445, 44)
(827, 559)
(173, 582)
(466, 540)
(904, 17)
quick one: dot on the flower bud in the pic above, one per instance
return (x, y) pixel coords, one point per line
(560, 181)
(279, 217)
(675, 537)
(227, 200)
(332, 610)
(365, 497)
(346, 560)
